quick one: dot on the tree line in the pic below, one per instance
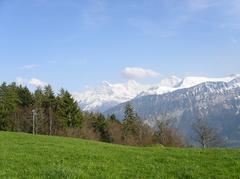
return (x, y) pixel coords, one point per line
(47, 113)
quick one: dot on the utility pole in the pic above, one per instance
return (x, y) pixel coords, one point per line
(34, 121)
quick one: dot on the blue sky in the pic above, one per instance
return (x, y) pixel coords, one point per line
(78, 43)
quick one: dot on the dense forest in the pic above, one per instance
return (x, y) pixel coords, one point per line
(47, 113)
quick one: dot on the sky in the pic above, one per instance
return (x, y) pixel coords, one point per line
(80, 43)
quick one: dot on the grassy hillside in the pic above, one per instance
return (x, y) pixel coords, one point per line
(27, 156)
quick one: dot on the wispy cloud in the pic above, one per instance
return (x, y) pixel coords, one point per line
(216, 13)
(235, 10)
(151, 27)
(234, 40)
(164, 24)
(223, 13)
(90, 14)
(198, 5)
(52, 61)
(139, 73)
(231, 16)
(94, 14)
(29, 67)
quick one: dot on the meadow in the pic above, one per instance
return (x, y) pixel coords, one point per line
(34, 156)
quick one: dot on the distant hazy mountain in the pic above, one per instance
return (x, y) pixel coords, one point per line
(109, 95)
(217, 101)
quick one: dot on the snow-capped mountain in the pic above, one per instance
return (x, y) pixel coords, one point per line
(174, 83)
(109, 95)
(215, 101)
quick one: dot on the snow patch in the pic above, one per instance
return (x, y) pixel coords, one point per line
(108, 95)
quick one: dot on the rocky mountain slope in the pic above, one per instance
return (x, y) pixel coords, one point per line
(217, 102)
(109, 95)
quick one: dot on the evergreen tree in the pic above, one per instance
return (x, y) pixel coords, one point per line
(100, 126)
(61, 115)
(113, 118)
(115, 130)
(25, 97)
(8, 104)
(41, 126)
(68, 110)
(129, 114)
(23, 116)
(49, 104)
(130, 123)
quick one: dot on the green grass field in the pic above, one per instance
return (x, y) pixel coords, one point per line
(28, 156)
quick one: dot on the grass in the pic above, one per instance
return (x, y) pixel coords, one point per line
(28, 156)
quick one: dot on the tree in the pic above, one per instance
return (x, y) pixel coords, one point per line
(113, 118)
(68, 110)
(41, 121)
(99, 124)
(205, 135)
(88, 131)
(25, 97)
(49, 104)
(129, 114)
(23, 112)
(130, 125)
(145, 134)
(167, 135)
(8, 104)
(115, 130)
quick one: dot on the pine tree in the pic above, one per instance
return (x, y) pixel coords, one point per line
(130, 123)
(49, 104)
(68, 110)
(129, 114)
(8, 104)
(113, 118)
(25, 97)
(23, 116)
(115, 130)
(38, 107)
(100, 126)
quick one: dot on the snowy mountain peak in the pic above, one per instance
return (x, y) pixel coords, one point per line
(172, 81)
(106, 84)
(193, 81)
(107, 95)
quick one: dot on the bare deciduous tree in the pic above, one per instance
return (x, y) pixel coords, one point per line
(168, 136)
(206, 136)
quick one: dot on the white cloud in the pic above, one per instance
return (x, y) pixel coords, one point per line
(33, 82)
(29, 67)
(139, 73)
(37, 83)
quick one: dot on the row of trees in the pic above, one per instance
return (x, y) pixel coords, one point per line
(53, 113)
(60, 115)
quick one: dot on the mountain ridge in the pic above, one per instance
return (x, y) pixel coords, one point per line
(216, 102)
(109, 95)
